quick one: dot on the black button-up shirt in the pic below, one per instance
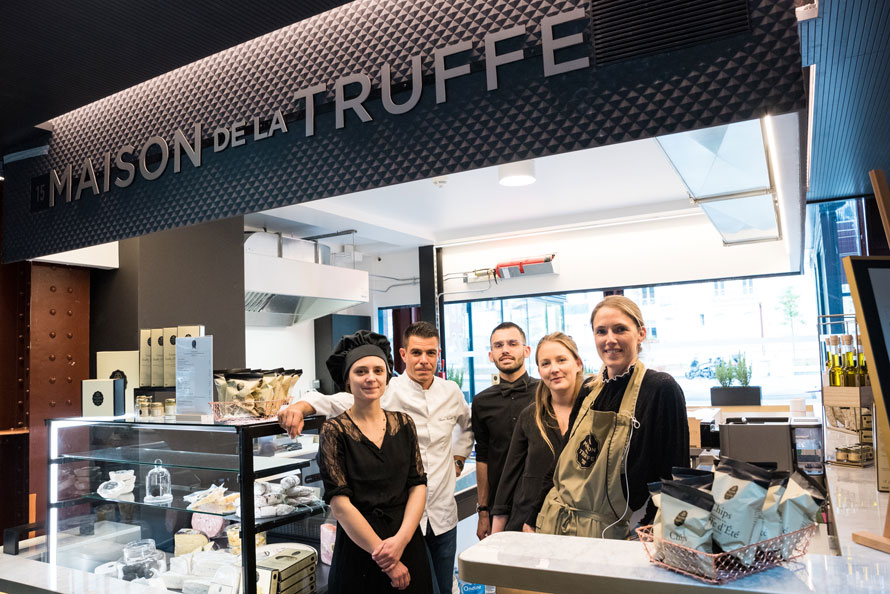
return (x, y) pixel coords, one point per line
(495, 412)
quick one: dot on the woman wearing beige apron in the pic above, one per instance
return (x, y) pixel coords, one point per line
(628, 428)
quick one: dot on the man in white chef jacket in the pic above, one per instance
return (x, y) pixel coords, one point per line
(442, 418)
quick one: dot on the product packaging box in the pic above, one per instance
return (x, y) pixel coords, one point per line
(157, 357)
(123, 365)
(103, 397)
(290, 563)
(170, 357)
(186, 331)
(144, 357)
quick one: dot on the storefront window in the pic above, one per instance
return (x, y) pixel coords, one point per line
(692, 326)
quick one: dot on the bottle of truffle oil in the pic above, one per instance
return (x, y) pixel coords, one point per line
(851, 364)
(836, 372)
(863, 369)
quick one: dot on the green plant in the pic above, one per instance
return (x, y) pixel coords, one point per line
(742, 370)
(456, 375)
(725, 373)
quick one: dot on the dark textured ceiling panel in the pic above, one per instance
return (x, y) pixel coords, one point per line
(58, 56)
(848, 43)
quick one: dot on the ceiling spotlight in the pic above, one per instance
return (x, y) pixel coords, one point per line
(520, 173)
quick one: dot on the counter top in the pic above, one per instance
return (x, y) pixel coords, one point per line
(857, 505)
(32, 577)
(567, 565)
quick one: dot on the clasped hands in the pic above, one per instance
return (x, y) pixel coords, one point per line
(387, 556)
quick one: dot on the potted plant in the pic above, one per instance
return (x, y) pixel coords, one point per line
(728, 395)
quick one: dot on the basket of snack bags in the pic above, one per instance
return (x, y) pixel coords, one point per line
(736, 521)
(248, 396)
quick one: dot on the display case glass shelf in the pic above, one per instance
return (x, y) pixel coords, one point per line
(85, 455)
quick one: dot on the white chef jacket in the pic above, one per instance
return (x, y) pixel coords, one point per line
(442, 418)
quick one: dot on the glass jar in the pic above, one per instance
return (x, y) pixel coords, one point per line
(170, 407)
(141, 560)
(158, 488)
(157, 410)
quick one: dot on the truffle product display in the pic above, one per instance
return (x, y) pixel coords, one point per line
(111, 489)
(800, 504)
(655, 495)
(739, 492)
(686, 521)
(188, 540)
(770, 523)
(141, 560)
(253, 393)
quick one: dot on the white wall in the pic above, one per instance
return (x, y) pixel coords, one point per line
(676, 250)
(402, 265)
(290, 347)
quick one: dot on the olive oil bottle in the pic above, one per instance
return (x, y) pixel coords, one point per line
(836, 373)
(863, 369)
(850, 363)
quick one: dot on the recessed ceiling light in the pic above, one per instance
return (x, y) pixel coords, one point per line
(520, 173)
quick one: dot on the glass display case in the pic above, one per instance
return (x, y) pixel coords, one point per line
(114, 482)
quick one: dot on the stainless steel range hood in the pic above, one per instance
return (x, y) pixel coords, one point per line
(281, 289)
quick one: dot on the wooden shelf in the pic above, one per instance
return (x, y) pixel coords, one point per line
(842, 396)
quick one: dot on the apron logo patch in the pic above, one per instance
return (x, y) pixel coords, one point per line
(588, 450)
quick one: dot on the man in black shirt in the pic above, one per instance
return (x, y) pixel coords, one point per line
(495, 411)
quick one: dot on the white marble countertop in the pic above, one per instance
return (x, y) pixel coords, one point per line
(857, 505)
(16, 572)
(565, 564)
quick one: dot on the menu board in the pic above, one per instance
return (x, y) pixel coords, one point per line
(194, 375)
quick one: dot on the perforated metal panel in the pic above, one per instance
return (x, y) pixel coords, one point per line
(528, 116)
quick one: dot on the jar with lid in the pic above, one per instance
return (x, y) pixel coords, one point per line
(157, 411)
(170, 408)
(141, 560)
(158, 488)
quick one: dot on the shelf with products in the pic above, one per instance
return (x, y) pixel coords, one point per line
(190, 457)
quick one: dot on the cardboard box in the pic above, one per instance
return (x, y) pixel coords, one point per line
(144, 358)
(123, 365)
(170, 357)
(157, 357)
(103, 398)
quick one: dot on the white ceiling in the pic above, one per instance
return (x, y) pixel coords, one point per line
(623, 183)
(594, 185)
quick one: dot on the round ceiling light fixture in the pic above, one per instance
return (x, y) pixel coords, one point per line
(520, 173)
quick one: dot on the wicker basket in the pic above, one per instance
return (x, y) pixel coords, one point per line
(719, 568)
(234, 413)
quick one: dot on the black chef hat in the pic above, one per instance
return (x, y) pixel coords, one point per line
(353, 347)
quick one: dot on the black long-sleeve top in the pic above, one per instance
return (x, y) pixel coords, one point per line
(528, 459)
(496, 411)
(660, 442)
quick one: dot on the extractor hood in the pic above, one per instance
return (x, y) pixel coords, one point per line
(282, 288)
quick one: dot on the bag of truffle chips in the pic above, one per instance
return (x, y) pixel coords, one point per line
(770, 523)
(800, 504)
(739, 493)
(655, 495)
(686, 521)
(701, 479)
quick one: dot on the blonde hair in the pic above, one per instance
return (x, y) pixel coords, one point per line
(543, 398)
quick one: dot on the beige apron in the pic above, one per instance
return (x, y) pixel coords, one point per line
(587, 496)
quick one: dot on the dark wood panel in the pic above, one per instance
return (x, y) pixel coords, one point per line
(59, 361)
(14, 470)
(13, 343)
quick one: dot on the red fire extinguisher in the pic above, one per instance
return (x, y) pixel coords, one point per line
(442, 373)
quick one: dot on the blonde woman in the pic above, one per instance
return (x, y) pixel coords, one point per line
(628, 428)
(538, 436)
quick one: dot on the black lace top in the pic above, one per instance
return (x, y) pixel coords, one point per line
(372, 477)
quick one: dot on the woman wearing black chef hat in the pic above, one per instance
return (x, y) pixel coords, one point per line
(373, 478)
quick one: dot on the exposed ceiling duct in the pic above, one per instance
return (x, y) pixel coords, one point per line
(284, 283)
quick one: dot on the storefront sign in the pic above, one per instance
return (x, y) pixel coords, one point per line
(151, 159)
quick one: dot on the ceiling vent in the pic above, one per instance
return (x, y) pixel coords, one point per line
(626, 29)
